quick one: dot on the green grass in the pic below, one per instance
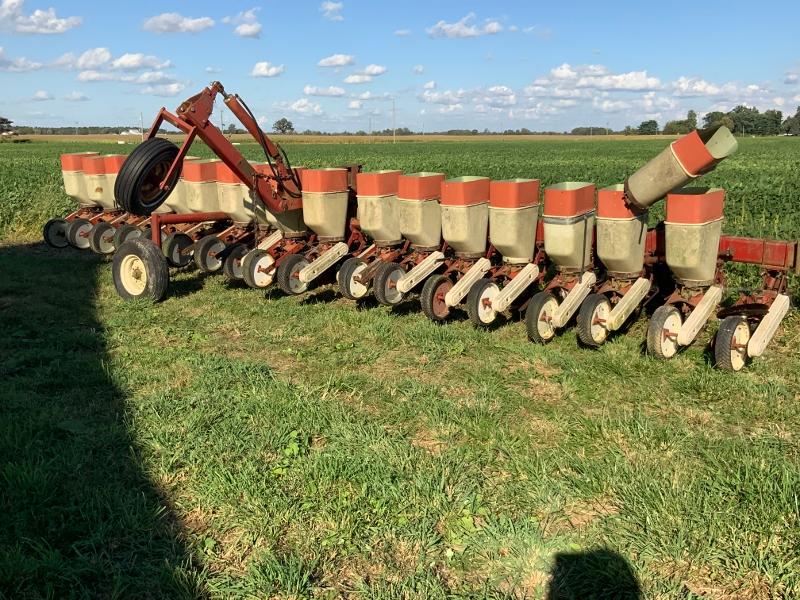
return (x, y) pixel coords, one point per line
(225, 444)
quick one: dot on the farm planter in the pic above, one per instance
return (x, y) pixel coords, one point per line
(686, 159)
(325, 198)
(101, 174)
(237, 200)
(200, 178)
(418, 211)
(513, 216)
(621, 232)
(75, 179)
(465, 214)
(569, 224)
(377, 203)
(692, 231)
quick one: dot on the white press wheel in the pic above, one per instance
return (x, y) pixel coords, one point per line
(539, 317)
(479, 302)
(730, 344)
(662, 332)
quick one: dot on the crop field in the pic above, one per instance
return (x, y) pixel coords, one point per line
(228, 443)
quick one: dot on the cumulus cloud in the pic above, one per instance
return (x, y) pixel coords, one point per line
(566, 77)
(332, 90)
(150, 77)
(92, 76)
(464, 28)
(791, 78)
(134, 61)
(177, 23)
(167, 90)
(402, 32)
(303, 106)
(337, 60)
(372, 96)
(431, 85)
(17, 65)
(358, 78)
(355, 104)
(76, 97)
(14, 18)
(332, 10)
(374, 70)
(213, 70)
(41, 96)
(246, 23)
(266, 69)
(91, 59)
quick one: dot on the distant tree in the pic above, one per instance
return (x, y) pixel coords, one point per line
(5, 124)
(713, 118)
(691, 120)
(792, 124)
(231, 129)
(772, 120)
(648, 127)
(283, 125)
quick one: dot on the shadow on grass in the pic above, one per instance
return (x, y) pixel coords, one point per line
(79, 517)
(595, 574)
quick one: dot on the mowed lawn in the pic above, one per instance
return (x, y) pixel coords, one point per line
(230, 443)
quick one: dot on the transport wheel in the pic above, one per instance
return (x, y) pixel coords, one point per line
(348, 286)
(205, 253)
(384, 284)
(232, 267)
(592, 317)
(54, 233)
(662, 331)
(287, 272)
(101, 239)
(137, 188)
(124, 233)
(432, 297)
(140, 270)
(538, 317)
(78, 233)
(730, 344)
(258, 269)
(173, 248)
(479, 302)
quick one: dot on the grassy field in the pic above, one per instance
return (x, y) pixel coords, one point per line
(227, 444)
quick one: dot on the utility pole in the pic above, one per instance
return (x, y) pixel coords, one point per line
(141, 125)
(394, 129)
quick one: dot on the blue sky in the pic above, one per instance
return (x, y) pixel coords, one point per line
(337, 65)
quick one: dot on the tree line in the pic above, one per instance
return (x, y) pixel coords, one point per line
(742, 120)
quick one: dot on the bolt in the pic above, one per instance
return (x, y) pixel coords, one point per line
(486, 302)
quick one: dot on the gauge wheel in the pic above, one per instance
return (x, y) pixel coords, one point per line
(232, 266)
(54, 233)
(479, 302)
(124, 233)
(730, 344)
(101, 238)
(206, 251)
(140, 270)
(288, 272)
(258, 269)
(174, 249)
(539, 317)
(592, 318)
(432, 296)
(662, 331)
(346, 278)
(78, 233)
(384, 284)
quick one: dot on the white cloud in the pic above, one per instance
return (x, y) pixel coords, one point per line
(418, 69)
(358, 78)
(694, 86)
(791, 78)
(13, 17)
(464, 28)
(166, 90)
(266, 69)
(565, 80)
(431, 85)
(451, 108)
(610, 106)
(332, 10)
(355, 104)
(92, 76)
(402, 32)
(213, 70)
(332, 90)
(337, 60)
(246, 22)
(41, 96)
(133, 61)
(370, 96)
(17, 65)
(446, 97)
(177, 23)
(91, 59)
(303, 106)
(76, 97)
(374, 70)
(150, 77)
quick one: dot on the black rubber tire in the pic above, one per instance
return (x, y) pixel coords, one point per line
(73, 233)
(380, 284)
(203, 249)
(284, 274)
(532, 314)
(723, 344)
(136, 187)
(126, 232)
(143, 254)
(54, 233)
(474, 300)
(232, 265)
(433, 308)
(172, 247)
(585, 320)
(248, 267)
(345, 276)
(655, 331)
(101, 238)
